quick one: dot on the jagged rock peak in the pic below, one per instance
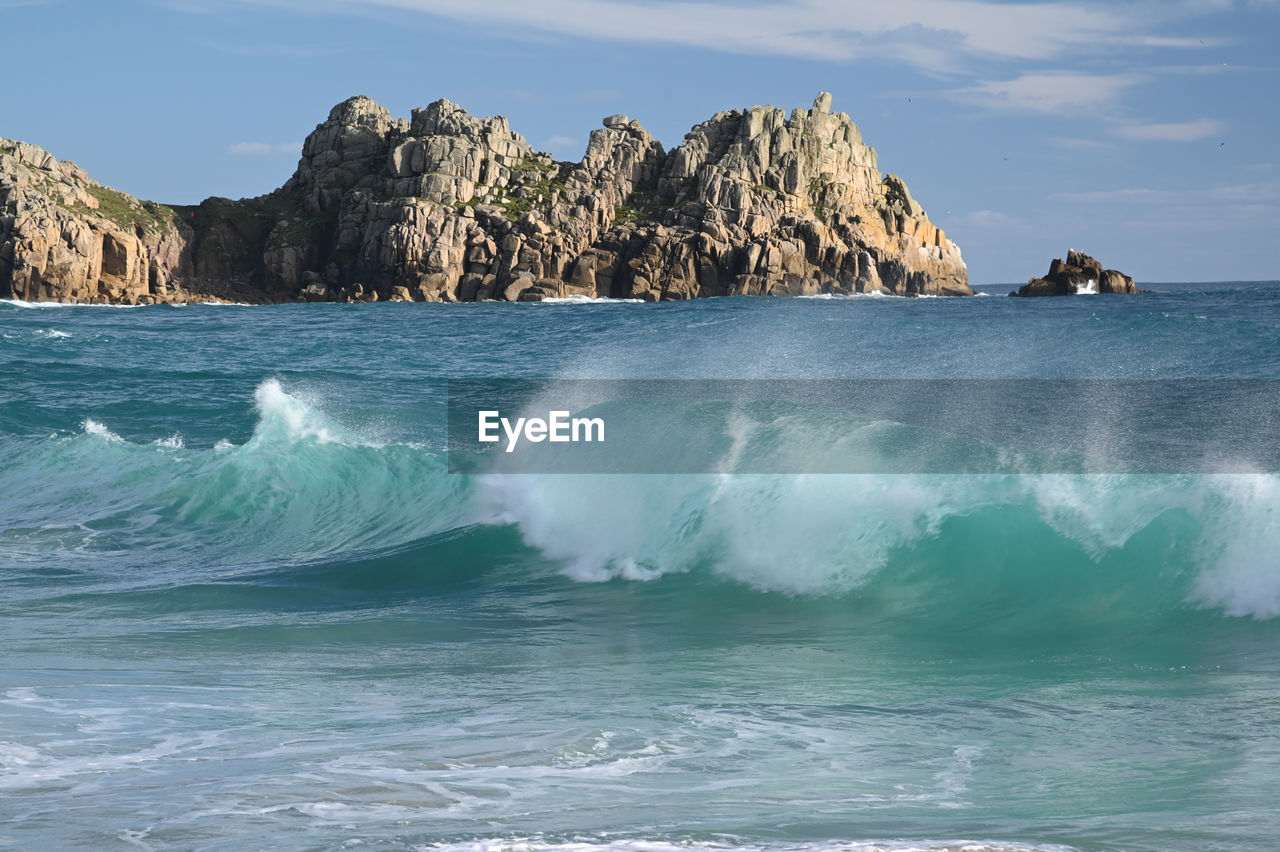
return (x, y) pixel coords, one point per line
(360, 110)
(28, 154)
(445, 118)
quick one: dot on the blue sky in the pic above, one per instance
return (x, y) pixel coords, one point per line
(1147, 133)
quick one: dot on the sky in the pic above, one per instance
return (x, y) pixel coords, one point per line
(1146, 133)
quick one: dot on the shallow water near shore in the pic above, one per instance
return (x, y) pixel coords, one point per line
(244, 603)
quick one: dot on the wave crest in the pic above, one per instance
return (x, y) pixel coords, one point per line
(305, 487)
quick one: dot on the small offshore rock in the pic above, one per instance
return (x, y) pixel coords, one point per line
(1078, 275)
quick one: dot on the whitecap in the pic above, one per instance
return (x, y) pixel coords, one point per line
(99, 430)
(538, 844)
(587, 300)
(21, 303)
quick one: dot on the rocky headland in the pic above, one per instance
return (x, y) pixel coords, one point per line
(1078, 275)
(446, 206)
(64, 237)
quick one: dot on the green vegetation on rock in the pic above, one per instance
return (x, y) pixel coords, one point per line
(817, 186)
(126, 212)
(642, 205)
(533, 186)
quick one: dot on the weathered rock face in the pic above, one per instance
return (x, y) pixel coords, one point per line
(67, 238)
(1079, 274)
(760, 203)
(450, 207)
(446, 206)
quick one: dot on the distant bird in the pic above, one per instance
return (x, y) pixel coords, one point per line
(908, 100)
(1223, 145)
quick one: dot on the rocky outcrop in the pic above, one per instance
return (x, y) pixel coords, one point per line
(65, 237)
(446, 206)
(1078, 275)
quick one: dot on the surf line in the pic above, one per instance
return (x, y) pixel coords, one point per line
(557, 427)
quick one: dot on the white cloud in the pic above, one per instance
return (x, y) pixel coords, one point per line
(264, 149)
(1203, 70)
(1079, 144)
(1049, 92)
(1136, 195)
(1234, 195)
(993, 52)
(1183, 131)
(929, 34)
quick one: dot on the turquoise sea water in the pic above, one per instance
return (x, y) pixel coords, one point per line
(244, 604)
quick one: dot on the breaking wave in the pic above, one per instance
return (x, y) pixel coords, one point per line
(305, 491)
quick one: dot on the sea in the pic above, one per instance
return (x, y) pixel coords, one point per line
(248, 601)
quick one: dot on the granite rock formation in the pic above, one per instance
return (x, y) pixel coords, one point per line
(65, 237)
(446, 206)
(1079, 274)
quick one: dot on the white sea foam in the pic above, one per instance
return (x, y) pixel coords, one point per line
(1244, 554)
(1089, 288)
(15, 756)
(281, 412)
(39, 770)
(1101, 512)
(790, 534)
(587, 300)
(293, 416)
(954, 779)
(173, 442)
(51, 334)
(20, 303)
(829, 534)
(99, 430)
(537, 844)
(873, 294)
